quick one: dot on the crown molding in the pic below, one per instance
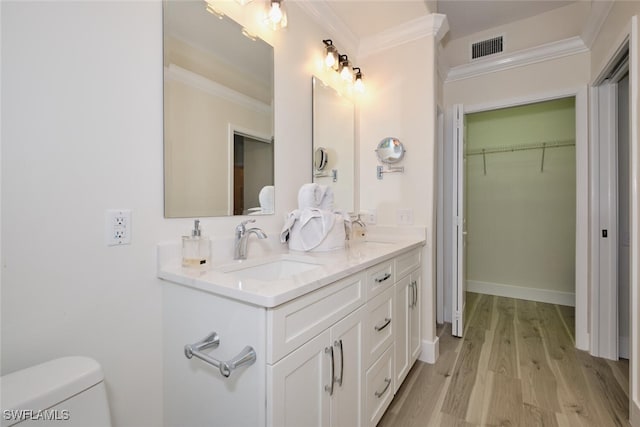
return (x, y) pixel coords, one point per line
(177, 73)
(599, 12)
(322, 14)
(545, 52)
(434, 24)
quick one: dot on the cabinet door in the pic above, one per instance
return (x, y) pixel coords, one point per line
(403, 300)
(299, 385)
(347, 406)
(415, 346)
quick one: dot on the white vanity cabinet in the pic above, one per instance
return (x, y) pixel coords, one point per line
(332, 357)
(320, 383)
(407, 306)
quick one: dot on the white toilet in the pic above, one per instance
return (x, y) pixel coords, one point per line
(64, 392)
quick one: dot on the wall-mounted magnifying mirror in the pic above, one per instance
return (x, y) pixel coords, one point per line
(218, 115)
(390, 150)
(320, 158)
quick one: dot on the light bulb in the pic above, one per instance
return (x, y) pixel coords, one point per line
(275, 14)
(330, 60)
(358, 85)
(345, 73)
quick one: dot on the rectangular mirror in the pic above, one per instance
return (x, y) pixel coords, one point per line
(218, 115)
(334, 143)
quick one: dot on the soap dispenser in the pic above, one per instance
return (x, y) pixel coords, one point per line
(196, 249)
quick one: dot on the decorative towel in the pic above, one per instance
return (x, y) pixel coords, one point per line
(312, 195)
(314, 230)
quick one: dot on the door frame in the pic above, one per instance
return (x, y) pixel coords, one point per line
(582, 193)
(604, 208)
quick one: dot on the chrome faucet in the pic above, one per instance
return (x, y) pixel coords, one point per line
(242, 235)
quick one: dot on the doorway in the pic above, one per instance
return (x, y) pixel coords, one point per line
(520, 206)
(252, 171)
(581, 270)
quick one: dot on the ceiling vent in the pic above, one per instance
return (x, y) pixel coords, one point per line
(487, 47)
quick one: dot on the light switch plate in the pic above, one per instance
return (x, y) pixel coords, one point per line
(404, 216)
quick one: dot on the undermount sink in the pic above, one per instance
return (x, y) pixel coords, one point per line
(274, 269)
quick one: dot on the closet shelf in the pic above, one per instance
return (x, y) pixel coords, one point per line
(536, 146)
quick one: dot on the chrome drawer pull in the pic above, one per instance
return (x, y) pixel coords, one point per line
(329, 388)
(383, 391)
(383, 278)
(378, 328)
(339, 344)
(246, 357)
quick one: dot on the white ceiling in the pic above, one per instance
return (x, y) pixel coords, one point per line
(368, 17)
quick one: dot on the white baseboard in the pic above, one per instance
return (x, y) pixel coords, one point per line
(531, 294)
(430, 351)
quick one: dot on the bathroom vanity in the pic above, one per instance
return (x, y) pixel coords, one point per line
(334, 336)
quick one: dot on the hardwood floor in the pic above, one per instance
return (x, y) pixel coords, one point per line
(517, 365)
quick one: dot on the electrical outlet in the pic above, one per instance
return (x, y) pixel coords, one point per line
(404, 216)
(370, 217)
(118, 227)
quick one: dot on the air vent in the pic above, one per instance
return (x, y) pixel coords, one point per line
(487, 47)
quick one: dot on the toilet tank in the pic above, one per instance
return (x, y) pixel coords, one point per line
(63, 392)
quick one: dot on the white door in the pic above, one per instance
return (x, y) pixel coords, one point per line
(414, 317)
(459, 222)
(403, 299)
(347, 402)
(301, 383)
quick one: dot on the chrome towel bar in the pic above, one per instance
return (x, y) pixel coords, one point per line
(246, 357)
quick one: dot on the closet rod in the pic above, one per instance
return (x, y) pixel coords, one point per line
(538, 146)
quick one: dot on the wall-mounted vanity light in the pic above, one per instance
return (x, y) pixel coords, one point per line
(276, 16)
(331, 54)
(345, 68)
(358, 84)
(340, 63)
(244, 2)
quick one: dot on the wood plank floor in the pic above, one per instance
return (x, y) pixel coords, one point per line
(517, 365)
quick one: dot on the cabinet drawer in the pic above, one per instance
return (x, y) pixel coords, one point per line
(292, 324)
(379, 326)
(379, 387)
(379, 278)
(406, 263)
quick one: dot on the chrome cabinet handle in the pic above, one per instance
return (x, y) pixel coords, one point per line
(383, 278)
(412, 295)
(415, 287)
(378, 328)
(339, 345)
(381, 392)
(329, 388)
(246, 357)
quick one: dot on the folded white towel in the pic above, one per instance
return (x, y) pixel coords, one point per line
(314, 195)
(326, 202)
(314, 230)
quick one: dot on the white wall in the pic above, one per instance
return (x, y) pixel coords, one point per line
(401, 102)
(521, 220)
(82, 133)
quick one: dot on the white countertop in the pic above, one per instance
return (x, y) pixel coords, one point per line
(332, 266)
